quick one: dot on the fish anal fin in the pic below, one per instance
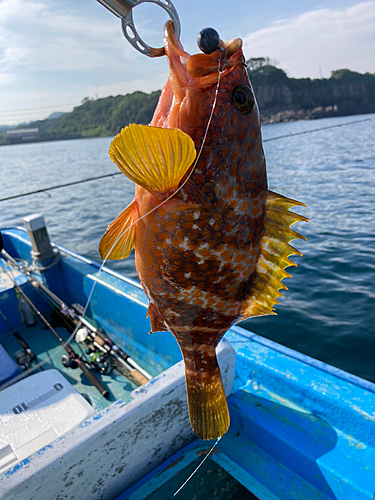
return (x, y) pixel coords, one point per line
(153, 157)
(275, 250)
(157, 324)
(119, 239)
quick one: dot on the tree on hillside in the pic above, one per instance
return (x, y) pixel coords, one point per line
(255, 63)
(260, 63)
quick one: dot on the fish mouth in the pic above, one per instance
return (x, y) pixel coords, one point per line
(199, 70)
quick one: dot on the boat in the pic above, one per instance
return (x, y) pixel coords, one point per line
(93, 407)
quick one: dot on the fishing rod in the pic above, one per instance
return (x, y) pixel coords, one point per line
(76, 361)
(314, 130)
(45, 190)
(133, 371)
(105, 345)
(59, 186)
(22, 360)
(98, 339)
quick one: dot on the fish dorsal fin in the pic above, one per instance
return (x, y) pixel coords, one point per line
(275, 251)
(155, 158)
(120, 235)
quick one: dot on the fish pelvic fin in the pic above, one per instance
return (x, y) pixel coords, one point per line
(275, 250)
(208, 409)
(119, 239)
(153, 157)
(156, 322)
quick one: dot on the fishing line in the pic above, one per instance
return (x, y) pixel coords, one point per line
(202, 462)
(314, 130)
(221, 66)
(59, 186)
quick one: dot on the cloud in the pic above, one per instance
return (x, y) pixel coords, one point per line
(35, 34)
(6, 78)
(125, 87)
(325, 38)
(34, 104)
(53, 52)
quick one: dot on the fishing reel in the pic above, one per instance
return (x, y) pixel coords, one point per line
(69, 362)
(23, 359)
(100, 361)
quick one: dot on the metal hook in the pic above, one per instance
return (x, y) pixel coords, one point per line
(222, 62)
(123, 10)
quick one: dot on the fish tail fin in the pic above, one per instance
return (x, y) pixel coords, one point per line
(208, 409)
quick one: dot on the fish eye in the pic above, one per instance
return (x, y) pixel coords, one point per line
(243, 99)
(208, 40)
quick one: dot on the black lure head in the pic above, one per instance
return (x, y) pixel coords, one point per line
(208, 40)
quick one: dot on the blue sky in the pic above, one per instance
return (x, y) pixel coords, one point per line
(55, 53)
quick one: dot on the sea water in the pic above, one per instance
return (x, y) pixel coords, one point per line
(328, 311)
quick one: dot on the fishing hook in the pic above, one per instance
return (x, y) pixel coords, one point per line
(222, 60)
(123, 10)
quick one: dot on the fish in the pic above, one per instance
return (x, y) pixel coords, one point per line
(211, 240)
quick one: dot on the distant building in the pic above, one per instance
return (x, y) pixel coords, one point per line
(22, 135)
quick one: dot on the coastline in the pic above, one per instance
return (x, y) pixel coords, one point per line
(290, 115)
(283, 116)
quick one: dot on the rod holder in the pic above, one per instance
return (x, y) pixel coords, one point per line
(39, 237)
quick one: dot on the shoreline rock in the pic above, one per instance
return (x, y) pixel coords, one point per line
(290, 115)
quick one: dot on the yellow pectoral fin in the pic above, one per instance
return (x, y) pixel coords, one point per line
(119, 239)
(152, 157)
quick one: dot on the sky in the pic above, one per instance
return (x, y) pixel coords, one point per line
(54, 53)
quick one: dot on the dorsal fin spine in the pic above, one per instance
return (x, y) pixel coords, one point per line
(275, 250)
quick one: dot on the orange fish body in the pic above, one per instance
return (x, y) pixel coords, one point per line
(210, 250)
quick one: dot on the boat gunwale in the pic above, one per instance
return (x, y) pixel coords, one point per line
(81, 257)
(304, 358)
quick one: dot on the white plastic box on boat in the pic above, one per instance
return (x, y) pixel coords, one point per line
(36, 411)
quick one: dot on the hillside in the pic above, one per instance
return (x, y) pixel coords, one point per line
(99, 117)
(280, 98)
(284, 99)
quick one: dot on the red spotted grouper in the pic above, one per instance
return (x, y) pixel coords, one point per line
(211, 241)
